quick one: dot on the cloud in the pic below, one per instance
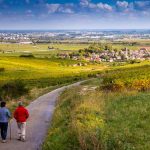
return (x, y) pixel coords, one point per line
(66, 10)
(133, 9)
(92, 5)
(143, 8)
(104, 6)
(60, 8)
(100, 9)
(142, 5)
(84, 3)
(97, 6)
(122, 4)
(52, 8)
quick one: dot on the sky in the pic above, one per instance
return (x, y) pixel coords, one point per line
(74, 14)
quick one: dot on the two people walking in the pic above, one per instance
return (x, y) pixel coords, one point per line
(21, 115)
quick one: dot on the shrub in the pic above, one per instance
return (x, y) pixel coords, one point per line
(14, 89)
(27, 55)
(114, 85)
(134, 61)
(118, 85)
(136, 78)
(141, 85)
(2, 69)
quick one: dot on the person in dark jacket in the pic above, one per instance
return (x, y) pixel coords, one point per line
(4, 118)
(21, 115)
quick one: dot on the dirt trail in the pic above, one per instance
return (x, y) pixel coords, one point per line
(41, 111)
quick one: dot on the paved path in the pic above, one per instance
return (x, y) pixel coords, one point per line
(41, 111)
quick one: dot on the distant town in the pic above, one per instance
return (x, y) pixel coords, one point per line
(108, 55)
(27, 37)
(98, 51)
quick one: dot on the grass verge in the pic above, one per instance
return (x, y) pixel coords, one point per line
(88, 119)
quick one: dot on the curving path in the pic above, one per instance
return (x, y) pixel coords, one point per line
(41, 111)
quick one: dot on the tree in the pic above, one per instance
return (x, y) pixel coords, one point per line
(108, 47)
(95, 47)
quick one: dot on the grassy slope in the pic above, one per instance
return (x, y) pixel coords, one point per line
(135, 77)
(40, 75)
(41, 69)
(128, 122)
(86, 118)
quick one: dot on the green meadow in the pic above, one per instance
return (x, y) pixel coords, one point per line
(57, 47)
(109, 112)
(40, 47)
(121, 46)
(106, 113)
(39, 50)
(20, 75)
(37, 68)
(37, 71)
(33, 68)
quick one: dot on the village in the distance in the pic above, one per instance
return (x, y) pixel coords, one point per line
(100, 43)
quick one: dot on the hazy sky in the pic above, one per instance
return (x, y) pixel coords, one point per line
(74, 14)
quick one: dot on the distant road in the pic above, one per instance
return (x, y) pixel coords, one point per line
(41, 111)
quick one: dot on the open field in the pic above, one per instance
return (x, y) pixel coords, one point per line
(29, 78)
(17, 48)
(83, 118)
(38, 50)
(90, 117)
(121, 46)
(40, 47)
(36, 69)
(20, 76)
(140, 41)
(133, 44)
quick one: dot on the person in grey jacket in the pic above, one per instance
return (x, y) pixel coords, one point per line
(4, 118)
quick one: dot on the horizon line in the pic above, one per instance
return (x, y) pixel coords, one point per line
(73, 29)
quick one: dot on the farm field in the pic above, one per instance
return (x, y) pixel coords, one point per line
(19, 48)
(136, 77)
(19, 75)
(140, 41)
(106, 113)
(121, 46)
(38, 50)
(83, 116)
(43, 69)
(35, 68)
(40, 47)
